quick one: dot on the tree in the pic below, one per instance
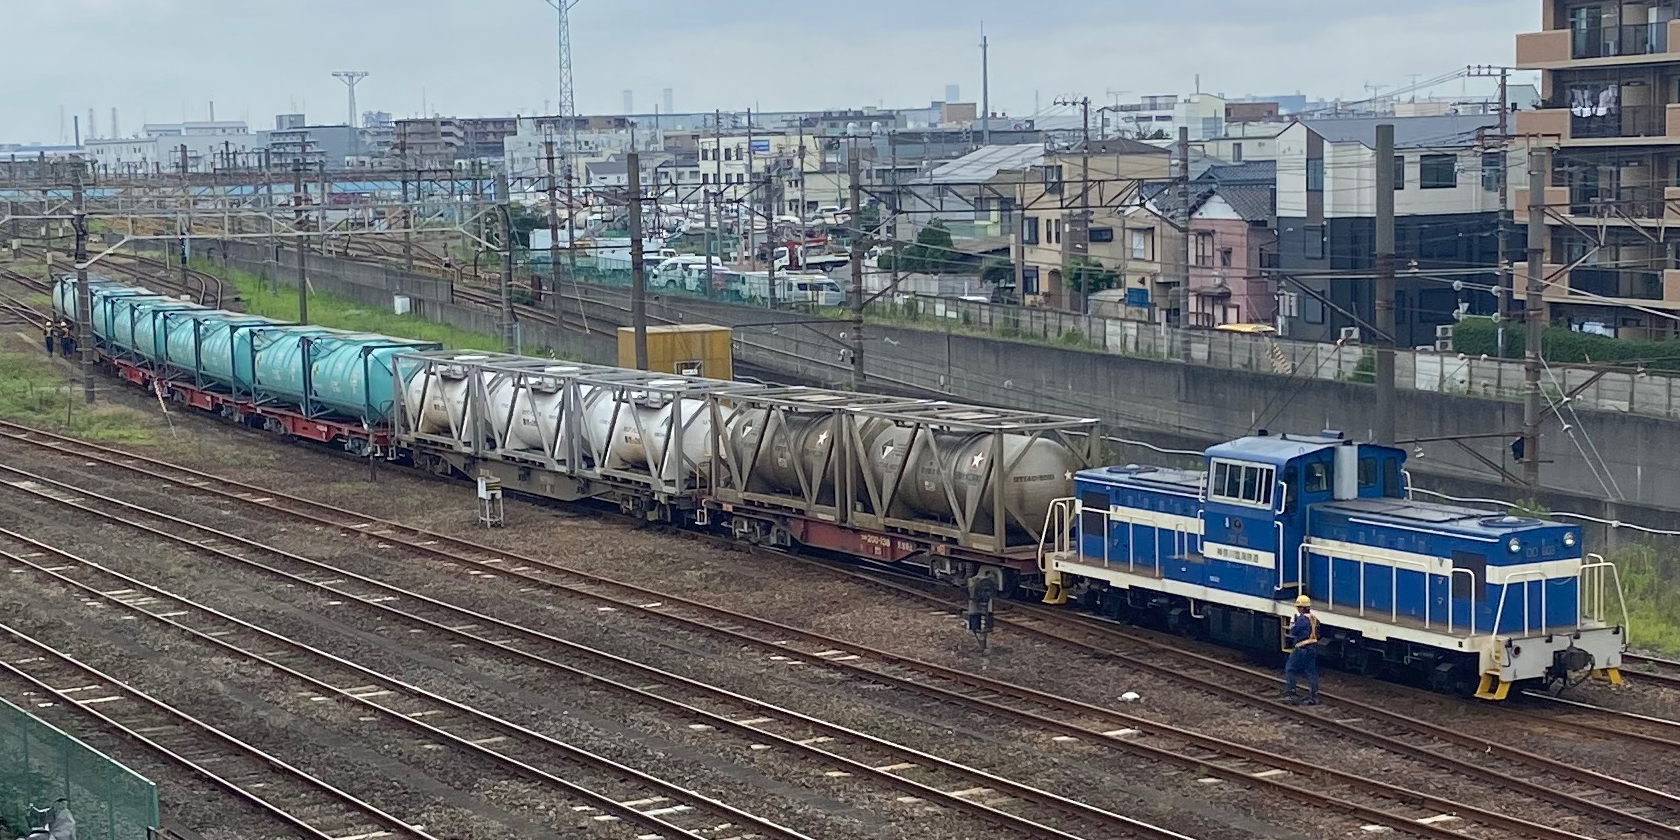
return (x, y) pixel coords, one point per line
(1088, 276)
(525, 220)
(869, 218)
(932, 252)
(998, 271)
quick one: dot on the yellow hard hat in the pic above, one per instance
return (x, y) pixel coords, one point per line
(1303, 601)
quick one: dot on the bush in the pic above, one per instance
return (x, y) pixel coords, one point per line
(1365, 371)
(1477, 337)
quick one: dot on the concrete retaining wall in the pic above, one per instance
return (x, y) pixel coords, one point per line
(1164, 403)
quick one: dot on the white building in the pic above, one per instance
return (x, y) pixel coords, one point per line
(1159, 117)
(209, 146)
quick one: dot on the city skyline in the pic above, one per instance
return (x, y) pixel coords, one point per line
(497, 57)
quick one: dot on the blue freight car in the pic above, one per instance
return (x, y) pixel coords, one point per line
(1459, 596)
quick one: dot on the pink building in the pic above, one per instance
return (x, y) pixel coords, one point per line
(1232, 240)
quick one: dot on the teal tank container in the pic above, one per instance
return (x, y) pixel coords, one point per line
(355, 375)
(121, 313)
(201, 342)
(150, 325)
(278, 369)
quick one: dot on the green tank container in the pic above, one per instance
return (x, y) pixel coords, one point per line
(128, 316)
(203, 342)
(277, 355)
(356, 375)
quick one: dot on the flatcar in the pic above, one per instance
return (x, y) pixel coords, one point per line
(999, 501)
(1463, 598)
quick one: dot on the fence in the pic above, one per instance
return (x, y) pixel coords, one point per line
(1595, 387)
(40, 764)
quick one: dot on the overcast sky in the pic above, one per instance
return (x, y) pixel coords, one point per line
(160, 60)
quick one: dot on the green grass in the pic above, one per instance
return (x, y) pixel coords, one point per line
(36, 392)
(330, 310)
(1651, 584)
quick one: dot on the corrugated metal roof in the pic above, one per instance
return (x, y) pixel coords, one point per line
(985, 162)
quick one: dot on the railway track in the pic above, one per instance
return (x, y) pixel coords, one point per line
(286, 793)
(1663, 672)
(1382, 727)
(1020, 808)
(1376, 802)
(201, 288)
(653, 804)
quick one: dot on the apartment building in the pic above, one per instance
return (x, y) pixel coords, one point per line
(1610, 114)
(1445, 228)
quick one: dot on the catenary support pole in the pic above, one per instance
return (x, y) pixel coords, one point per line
(84, 295)
(302, 242)
(638, 274)
(504, 206)
(553, 224)
(1384, 298)
(856, 292)
(1534, 315)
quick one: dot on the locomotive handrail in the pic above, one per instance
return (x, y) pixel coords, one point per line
(1331, 555)
(1524, 578)
(1598, 567)
(1471, 597)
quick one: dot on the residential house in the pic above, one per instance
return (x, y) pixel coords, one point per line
(1231, 245)
(1446, 224)
(1610, 91)
(1051, 202)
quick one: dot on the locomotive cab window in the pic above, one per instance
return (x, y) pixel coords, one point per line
(1237, 483)
(1318, 478)
(1367, 473)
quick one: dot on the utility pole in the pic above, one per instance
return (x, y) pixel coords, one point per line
(186, 217)
(1080, 228)
(271, 260)
(302, 242)
(408, 224)
(510, 330)
(1185, 244)
(1533, 315)
(985, 91)
(1506, 281)
(1385, 285)
(770, 246)
(553, 224)
(638, 268)
(857, 275)
(717, 160)
(84, 295)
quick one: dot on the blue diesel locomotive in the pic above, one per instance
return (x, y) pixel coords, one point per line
(1463, 598)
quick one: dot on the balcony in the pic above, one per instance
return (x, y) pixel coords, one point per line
(1635, 202)
(1631, 125)
(1623, 283)
(1632, 121)
(1615, 41)
(1607, 286)
(1598, 47)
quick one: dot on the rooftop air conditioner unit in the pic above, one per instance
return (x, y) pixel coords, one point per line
(1443, 332)
(1443, 345)
(1350, 335)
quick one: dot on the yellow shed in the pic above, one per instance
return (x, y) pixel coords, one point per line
(688, 349)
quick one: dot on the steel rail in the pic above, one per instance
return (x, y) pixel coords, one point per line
(1200, 752)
